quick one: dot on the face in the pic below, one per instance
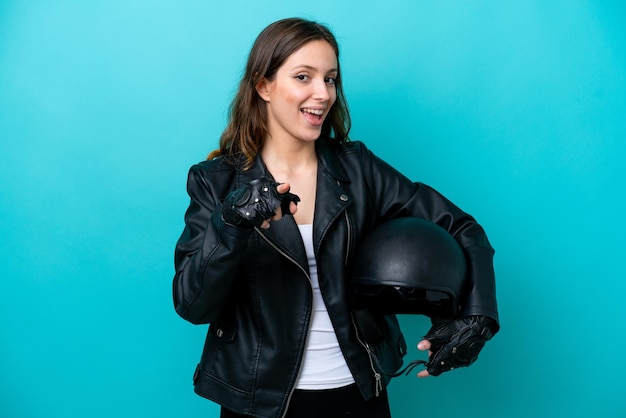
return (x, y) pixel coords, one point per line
(301, 94)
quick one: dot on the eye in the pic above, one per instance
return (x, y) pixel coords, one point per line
(330, 80)
(302, 77)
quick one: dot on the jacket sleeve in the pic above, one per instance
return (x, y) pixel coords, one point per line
(207, 253)
(397, 196)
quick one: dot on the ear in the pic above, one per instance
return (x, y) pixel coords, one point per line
(263, 88)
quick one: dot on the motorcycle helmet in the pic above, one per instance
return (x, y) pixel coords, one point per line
(408, 265)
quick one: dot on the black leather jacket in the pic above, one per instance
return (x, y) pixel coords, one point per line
(253, 286)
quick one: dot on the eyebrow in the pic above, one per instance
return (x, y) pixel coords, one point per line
(310, 67)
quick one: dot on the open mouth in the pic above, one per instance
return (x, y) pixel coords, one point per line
(313, 115)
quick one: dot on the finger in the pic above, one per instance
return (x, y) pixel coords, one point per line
(423, 373)
(265, 224)
(279, 214)
(293, 208)
(423, 345)
(283, 188)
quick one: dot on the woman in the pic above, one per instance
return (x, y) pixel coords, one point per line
(274, 218)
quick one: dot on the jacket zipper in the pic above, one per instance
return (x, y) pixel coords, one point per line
(348, 246)
(288, 257)
(377, 376)
(378, 385)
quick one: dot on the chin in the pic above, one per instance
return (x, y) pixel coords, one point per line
(310, 138)
(311, 135)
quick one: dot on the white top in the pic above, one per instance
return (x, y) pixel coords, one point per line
(323, 365)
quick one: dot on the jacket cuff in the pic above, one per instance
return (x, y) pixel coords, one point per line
(228, 231)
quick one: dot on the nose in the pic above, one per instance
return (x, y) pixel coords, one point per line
(320, 90)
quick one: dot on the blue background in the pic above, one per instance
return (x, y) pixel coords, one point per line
(513, 109)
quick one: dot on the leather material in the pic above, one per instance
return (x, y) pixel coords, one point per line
(253, 284)
(255, 202)
(457, 343)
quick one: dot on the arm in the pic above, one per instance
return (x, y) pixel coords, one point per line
(394, 195)
(454, 343)
(207, 254)
(211, 248)
(479, 297)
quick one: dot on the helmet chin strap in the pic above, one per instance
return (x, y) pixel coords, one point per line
(408, 368)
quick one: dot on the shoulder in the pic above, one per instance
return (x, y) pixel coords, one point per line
(356, 153)
(216, 169)
(215, 165)
(216, 173)
(346, 150)
(351, 147)
(356, 157)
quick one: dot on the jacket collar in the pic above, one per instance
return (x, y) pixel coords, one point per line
(330, 202)
(327, 160)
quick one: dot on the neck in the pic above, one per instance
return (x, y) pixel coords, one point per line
(289, 158)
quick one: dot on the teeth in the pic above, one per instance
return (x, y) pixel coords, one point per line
(318, 112)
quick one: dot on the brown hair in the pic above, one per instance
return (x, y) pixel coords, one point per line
(247, 122)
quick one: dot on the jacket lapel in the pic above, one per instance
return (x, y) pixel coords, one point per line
(284, 234)
(330, 202)
(331, 199)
